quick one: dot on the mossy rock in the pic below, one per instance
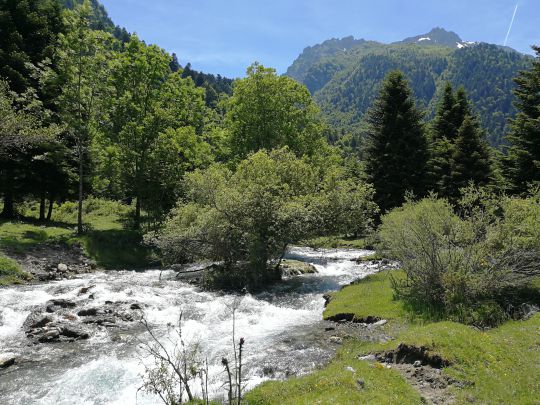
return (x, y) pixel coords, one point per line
(296, 268)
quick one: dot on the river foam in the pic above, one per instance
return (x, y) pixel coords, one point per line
(279, 327)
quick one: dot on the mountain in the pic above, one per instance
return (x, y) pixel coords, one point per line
(439, 37)
(344, 76)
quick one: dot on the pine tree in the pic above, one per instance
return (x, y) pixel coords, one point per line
(450, 168)
(470, 158)
(523, 162)
(444, 131)
(444, 125)
(396, 145)
(174, 64)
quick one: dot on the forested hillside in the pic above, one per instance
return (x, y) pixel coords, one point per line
(344, 76)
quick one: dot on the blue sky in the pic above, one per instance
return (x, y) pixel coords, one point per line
(226, 36)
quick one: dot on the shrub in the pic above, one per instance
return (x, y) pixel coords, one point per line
(251, 216)
(465, 268)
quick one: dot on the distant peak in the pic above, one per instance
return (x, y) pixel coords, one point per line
(437, 36)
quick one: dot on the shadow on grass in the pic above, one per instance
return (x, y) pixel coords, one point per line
(117, 249)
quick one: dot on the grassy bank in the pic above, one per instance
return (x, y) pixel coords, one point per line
(498, 366)
(333, 242)
(11, 272)
(106, 240)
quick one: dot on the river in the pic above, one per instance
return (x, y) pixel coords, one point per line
(282, 328)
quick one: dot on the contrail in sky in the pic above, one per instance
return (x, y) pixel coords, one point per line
(511, 24)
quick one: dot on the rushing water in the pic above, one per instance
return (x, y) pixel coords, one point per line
(282, 329)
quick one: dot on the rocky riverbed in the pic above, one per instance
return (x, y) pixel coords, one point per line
(76, 339)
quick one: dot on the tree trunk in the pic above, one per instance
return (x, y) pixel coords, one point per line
(42, 207)
(51, 205)
(81, 173)
(9, 205)
(138, 213)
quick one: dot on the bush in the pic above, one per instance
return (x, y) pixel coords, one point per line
(468, 269)
(251, 216)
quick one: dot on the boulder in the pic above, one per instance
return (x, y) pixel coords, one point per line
(73, 332)
(62, 268)
(47, 335)
(7, 361)
(36, 320)
(88, 312)
(58, 303)
(296, 268)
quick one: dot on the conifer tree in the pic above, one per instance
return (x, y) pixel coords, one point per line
(470, 157)
(457, 140)
(396, 145)
(523, 162)
(444, 130)
(444, 125)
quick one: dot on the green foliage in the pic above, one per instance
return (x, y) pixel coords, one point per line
(524, 136)
(396, 147)
(27, 144)
(157, 118)
(29, 32)
(472, 270)
(268, 111)
(10, 272)
(272, 200)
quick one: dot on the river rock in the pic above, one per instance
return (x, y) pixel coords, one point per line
(369, 357)
(36, 320)
(62, 268)
(296, 268)
(7, 361)
(58, 303)
(88, 312)
(336, 339)
(378, 323)
(74, 332)
(84, 290)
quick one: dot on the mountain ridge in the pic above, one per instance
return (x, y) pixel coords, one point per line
(344, 81)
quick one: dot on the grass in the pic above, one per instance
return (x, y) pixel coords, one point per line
(498, 366)
(106, 239)
(372, 296)
(19, 235)
(334, 242)
(336, 384)
(10, 272)
(117, 249)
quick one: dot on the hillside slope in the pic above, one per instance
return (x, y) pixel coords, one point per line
(345, 80)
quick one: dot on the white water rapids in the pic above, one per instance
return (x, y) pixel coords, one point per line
(282, 330)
